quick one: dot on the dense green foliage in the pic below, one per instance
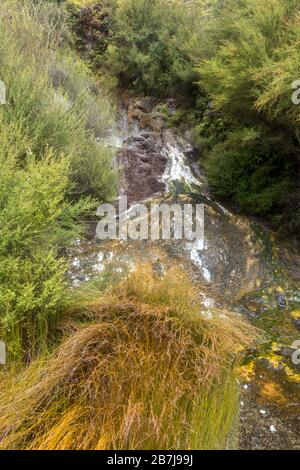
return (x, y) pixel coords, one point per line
(145, 44)
(50, 162)
(92, 29)
(249, 77)
(244, 55)
(147, 51)
(52, 96)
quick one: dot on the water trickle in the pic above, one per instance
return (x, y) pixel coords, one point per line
(177, 168)
(196, 255)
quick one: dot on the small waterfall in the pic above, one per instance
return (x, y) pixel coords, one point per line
(177, 168)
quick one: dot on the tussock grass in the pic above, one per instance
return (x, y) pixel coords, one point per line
(140, 368)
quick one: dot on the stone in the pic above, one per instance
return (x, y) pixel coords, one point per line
(145, 104)
(297, 323)
(171, 107)
(143, 166)
(281, 301)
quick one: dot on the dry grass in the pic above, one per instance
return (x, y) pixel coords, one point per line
(140, 369)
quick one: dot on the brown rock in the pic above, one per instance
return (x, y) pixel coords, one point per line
(143, 165)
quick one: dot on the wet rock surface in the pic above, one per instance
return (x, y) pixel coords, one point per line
(238, 266)
(265, 428)
(269, 408)
(231, 254)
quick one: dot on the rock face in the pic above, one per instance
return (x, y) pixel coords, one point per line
(142, 158)
(153, 160)
(143, 165)
(146, 111)
(230, 266)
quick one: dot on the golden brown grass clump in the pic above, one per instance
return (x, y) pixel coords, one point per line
(140, 369)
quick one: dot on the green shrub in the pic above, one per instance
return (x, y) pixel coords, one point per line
(247, 169)
(147, 51)
(50, 161)
(33, 292)
(92, 28)
(35, 220)
(51, 94)
(248, 76)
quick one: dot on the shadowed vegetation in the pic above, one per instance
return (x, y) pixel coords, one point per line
(253, 153)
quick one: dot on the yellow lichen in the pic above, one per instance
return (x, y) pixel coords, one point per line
(292, 374)
(274, 392)
(295, 314)
(247, 371)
